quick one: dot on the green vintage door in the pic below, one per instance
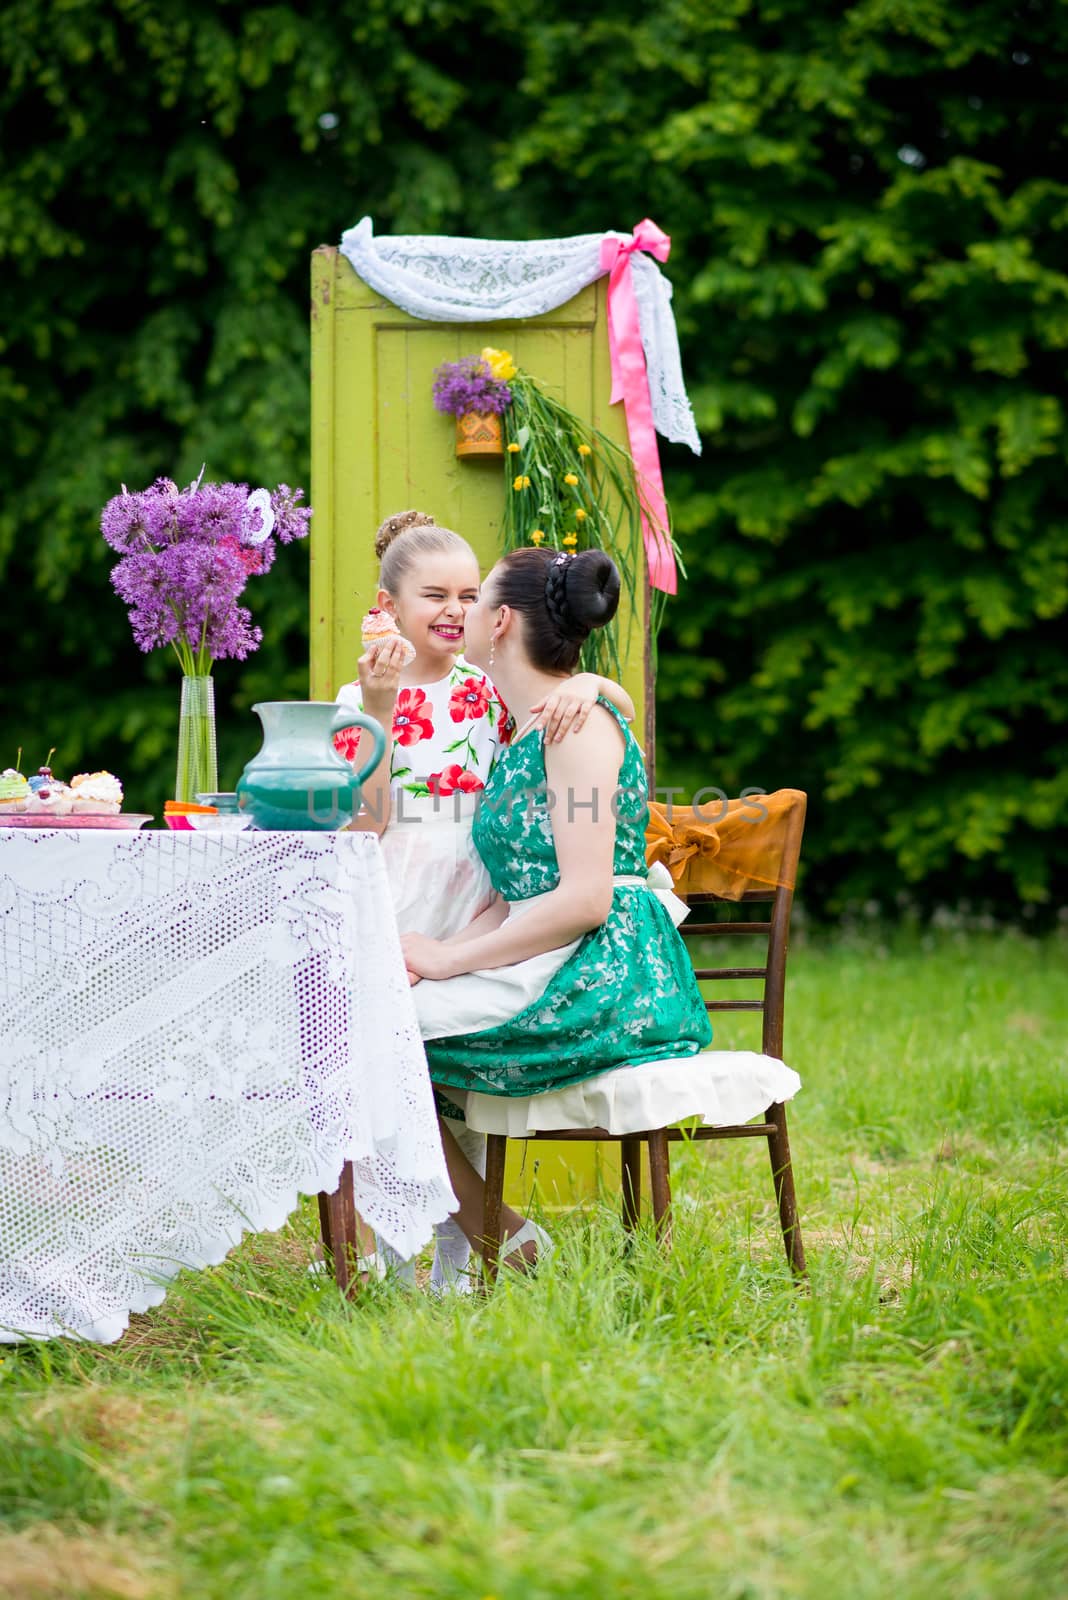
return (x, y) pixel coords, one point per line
(378, 446)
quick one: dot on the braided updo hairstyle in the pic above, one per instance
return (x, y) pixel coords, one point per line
(561, 599)
(404, 538)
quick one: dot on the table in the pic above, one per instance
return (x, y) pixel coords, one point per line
(195, 1029)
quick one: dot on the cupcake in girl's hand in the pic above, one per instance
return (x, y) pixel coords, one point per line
(14, 793)
(96, 792)
(378, 626)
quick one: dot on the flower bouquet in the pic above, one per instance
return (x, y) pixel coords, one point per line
(186, 556)
(475, 392)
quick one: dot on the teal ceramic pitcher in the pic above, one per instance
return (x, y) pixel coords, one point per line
(298, 781)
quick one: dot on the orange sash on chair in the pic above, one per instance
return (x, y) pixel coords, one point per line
(727, 854)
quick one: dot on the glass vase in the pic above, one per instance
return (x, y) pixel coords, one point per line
(198, 765)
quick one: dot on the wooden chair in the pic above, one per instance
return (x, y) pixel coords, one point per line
(772, 977)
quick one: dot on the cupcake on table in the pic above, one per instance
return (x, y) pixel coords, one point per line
(96, 794)
(49, 795)
(15, 793)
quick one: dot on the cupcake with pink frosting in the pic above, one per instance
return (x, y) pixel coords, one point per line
(378, 626)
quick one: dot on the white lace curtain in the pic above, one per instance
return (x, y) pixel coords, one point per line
(444, 279)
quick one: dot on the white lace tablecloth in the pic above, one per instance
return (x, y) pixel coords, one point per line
(194, 1030)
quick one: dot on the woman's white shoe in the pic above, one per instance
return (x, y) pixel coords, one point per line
(529, 1233)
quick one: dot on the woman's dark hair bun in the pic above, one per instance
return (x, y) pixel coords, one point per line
(561, 599)
(592, 588)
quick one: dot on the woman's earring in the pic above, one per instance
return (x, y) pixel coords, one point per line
(493, 650)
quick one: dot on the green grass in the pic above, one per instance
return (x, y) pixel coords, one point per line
(623, 1425)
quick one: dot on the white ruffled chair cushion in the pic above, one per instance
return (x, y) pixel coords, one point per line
(721, 1087)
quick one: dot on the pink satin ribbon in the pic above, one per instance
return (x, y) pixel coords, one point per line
(630, 383)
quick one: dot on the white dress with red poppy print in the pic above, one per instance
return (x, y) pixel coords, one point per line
(446, 737)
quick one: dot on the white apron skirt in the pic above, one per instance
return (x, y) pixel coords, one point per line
(436, 876)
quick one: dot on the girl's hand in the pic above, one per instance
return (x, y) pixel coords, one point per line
(568, 707)
(379, 670)
(427, 958)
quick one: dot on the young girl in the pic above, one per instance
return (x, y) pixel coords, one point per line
(448, 725)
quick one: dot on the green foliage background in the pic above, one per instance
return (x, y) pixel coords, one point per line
(869, 213)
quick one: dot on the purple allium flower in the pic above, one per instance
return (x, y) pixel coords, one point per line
(143, 582)
(469, 385)
(132, 521)
(141, 578)
(187, 556)
(290, 519)
(214, 511)
(230, 634)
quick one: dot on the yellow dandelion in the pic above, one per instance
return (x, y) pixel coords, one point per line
(580, 515)
(569, 477)
(513, 449)
(584, 450)
(569, 541)
(537, 536)
(520, 483)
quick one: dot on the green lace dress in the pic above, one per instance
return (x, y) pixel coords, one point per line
(625, 994)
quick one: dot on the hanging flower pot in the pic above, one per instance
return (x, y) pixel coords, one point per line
(475, 392)
(478, 433)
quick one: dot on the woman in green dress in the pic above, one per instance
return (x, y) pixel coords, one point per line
(576, 968)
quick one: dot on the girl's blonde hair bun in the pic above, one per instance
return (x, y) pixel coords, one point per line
(422, 536)
(397, 524)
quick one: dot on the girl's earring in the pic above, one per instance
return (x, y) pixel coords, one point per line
(493, 650)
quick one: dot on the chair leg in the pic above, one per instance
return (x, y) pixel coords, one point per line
(337, 1224)
(326, 1232)
(496, 1151)
(783, 1175)
(631, 1150)
(660, 1184)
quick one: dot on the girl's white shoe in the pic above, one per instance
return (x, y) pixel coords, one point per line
(372, 1266)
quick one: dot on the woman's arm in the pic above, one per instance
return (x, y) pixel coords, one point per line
(568, 707)
(484, 923)
(583, 775)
